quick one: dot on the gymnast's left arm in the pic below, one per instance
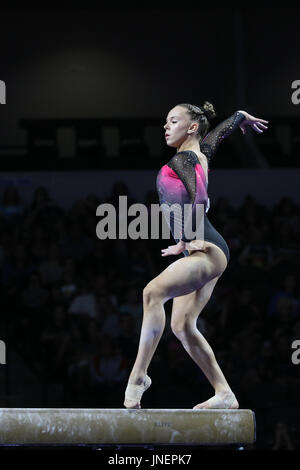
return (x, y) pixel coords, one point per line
(241, 119)
(257, 124)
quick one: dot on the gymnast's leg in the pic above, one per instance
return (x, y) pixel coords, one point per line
(181, 277)
(185, 312)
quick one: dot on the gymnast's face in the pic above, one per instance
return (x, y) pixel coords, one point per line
(179, 127)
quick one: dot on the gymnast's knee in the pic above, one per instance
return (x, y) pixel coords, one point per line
(151, 293)
(184, 329)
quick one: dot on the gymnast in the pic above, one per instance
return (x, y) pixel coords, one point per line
(189, 280)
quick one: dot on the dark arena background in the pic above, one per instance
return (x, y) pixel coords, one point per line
(85, 92)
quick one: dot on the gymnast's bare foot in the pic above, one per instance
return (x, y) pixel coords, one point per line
(134, 392)
(221, 400)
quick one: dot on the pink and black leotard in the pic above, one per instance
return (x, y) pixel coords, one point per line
(182, 181)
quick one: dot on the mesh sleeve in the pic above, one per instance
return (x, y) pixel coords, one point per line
(213, 139)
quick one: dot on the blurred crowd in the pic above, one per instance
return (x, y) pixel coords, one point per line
(72, 307)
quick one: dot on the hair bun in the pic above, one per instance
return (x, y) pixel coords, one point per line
(208, 110)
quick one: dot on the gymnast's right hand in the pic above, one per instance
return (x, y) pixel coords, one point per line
(174, 249)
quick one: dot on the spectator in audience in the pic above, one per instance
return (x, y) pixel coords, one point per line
(288, 290)
(34, 304)
(43, 210)
(51, 268)
(241, 309)
(222, 212)
(78, 368)
(100, 285)
(76, 245)
(134, 305)
(60, 230)
(140, 262)
(182, 370)
(251, 213)
(119, 188)
(40, 199)
(108, 316)
(70, 268)
(100, 258)
(127, 339)
(284, 368)
(286, 222)
(38, 244)
(55, 341)
(34, 296)
(16, 267)
(11, 207)
(68, 286)
(108, 366)
(84, 303)
(257, 252)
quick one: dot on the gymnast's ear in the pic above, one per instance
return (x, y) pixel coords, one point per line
(194, 129)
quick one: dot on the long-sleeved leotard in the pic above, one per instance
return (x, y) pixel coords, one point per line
(182, 181)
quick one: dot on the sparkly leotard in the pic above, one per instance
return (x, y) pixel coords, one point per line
(182, 181)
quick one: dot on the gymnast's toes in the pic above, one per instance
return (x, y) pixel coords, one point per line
(131, 404)
(225, 400)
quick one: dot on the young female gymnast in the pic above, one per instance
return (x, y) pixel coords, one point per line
(189, 280)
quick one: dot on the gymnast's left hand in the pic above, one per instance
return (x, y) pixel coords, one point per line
(174, 249)
(257, 124)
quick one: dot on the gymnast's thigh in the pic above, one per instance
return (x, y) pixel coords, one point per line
(187, 308)
(183, 276)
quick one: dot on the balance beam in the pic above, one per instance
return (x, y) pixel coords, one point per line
(126, 426)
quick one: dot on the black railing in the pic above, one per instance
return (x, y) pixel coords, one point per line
(139, 143)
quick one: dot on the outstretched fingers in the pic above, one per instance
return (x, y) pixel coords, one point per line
(259, 123)
(258, 126)
(257, 129)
